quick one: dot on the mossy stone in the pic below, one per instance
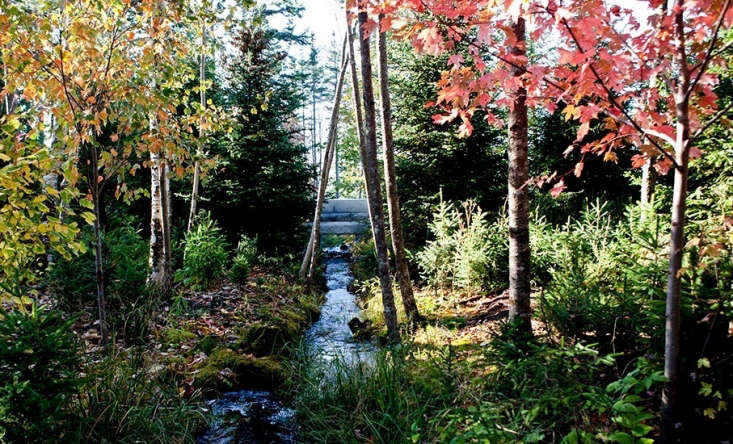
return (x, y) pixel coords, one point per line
(264, 339)
(226, 369)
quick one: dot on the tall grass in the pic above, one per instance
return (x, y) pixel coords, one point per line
(388, 400)
(125, 402)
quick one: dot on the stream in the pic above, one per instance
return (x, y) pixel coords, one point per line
(260, 417)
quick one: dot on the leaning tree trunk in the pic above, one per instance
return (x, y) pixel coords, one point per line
(393, 200)
(374, 192)
(358, 110)
(519, 253)
(197, 164)
(677, 236)
(309, 259)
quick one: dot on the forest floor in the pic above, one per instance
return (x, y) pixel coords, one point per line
(466, 321)
(229, 336)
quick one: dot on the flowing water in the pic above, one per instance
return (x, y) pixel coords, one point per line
(260, 417)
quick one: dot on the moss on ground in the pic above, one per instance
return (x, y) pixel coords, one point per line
(235, 336)
(226, 368)
(178, 335)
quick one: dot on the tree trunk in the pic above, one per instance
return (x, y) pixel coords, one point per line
(670, 399)
(309, 262)
(165, 194)
(374, 192)
(519, 253)
(50, 179)
(197, 165)
(390, 178)
(648, 183)
(194, 195)
(337, 183)
(159, 258)
(98, 248)
(358, 110)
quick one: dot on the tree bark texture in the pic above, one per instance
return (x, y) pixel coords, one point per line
(519, 252)
(358, 110)
(160, 278)
(309, 260)
(677, 236)
(98, 246)
(648, 183)
(374, 192)
(390, 178)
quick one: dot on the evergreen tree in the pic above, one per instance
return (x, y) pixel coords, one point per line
(260, 185)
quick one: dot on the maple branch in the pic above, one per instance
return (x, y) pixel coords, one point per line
(710, 122)
(719, 51)
(521, 68)
(660, 135)
(71, 100)
(612, 100)
(708, 56)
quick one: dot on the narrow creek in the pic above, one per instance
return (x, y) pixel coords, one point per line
(260, 417)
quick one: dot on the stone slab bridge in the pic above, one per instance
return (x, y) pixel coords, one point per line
(344, 216)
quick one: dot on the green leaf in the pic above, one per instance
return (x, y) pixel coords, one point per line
(622, 437)
(86, 203)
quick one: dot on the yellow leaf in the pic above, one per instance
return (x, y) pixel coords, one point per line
(569, 111)
(88, 217)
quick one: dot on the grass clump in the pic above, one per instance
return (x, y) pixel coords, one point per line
(125, 401)
(393, 399)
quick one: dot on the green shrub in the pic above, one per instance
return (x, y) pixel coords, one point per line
(436, 259)
(130, 305)
(539, 393)
(38, 367)
(465, 250)
(244, 257)
(607, 282)
(73, 281)
(365, 266)
(205, 254)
